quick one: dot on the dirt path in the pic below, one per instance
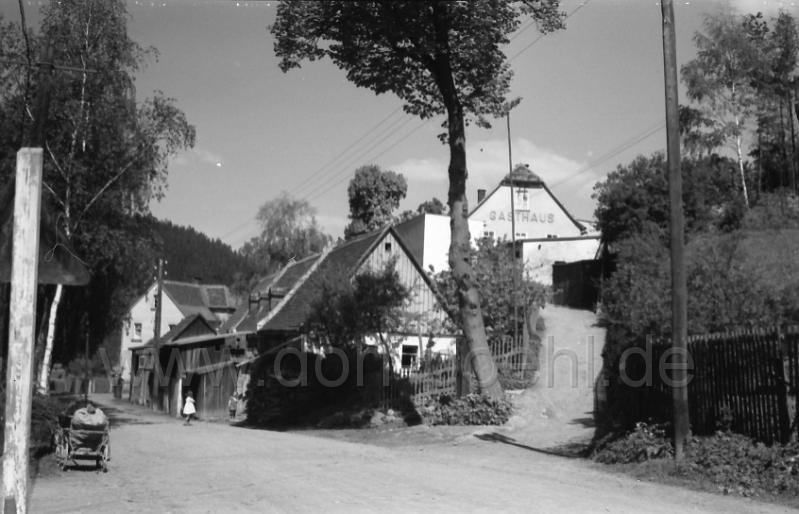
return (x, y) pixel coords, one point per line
(558, 409)
(161, 466)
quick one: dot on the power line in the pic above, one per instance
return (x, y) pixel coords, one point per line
(372, 159)
(331, 182)
(378, 138)
(344, 151)
(540, 36)
(634, 140)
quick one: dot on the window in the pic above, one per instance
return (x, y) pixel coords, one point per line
(171, 326)
(410, 352)
(137, 331)
(387, 246)
(521, 235)
(522, 200)
(488, 234)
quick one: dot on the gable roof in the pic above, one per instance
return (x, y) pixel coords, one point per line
(343, 259)
(272, 292)
(199, 298)
(523, 176)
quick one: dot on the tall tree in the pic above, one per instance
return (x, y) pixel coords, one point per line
(374, 195)
(718, 80)
(288, 231)
(440, 58)
(775, 81)
(106, 154)
(432, 206)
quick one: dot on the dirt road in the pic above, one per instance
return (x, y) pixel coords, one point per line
(159, 465)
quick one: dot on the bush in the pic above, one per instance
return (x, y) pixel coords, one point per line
(472, 409)
(645, 442)
(44, 421)
(732, 463)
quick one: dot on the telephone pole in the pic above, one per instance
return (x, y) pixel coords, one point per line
(679, 294)
(159, 292)
(513, 240)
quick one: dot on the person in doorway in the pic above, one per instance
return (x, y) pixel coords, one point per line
(188, 408)
(233, 405)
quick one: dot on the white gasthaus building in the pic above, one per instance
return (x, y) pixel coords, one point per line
(545, 231)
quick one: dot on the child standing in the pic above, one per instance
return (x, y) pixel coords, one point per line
(188, 408)
(233, 405)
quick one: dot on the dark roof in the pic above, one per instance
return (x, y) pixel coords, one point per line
(199, 298)
(341, 260)
(412, 234)
(189, 326)
(280, 284)
(522, 176)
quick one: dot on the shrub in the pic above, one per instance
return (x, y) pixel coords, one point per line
(44, 421)
(733, 463)
(472, 409)
(645, 442)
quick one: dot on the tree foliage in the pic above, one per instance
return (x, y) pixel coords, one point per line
(742, 88)
(432, 206)
(441, 58)
(106, 154)
(634, 198)
(374, 195)
(502, 281)
(352, 308)
(288, 231)
(719, 81)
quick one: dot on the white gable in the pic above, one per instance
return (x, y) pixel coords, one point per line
(538, 214)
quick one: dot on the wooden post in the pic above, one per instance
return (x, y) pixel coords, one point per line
(19, 374)
(159, 291)
(679, 295)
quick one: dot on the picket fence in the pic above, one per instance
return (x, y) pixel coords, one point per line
(745, 381)
(439, 374)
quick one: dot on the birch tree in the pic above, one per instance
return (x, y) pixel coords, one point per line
(106, 154)
(442, 59)
(719, 81)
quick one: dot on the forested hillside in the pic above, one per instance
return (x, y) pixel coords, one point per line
(192, 255)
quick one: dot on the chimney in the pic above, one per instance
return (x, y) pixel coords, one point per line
(481, 194)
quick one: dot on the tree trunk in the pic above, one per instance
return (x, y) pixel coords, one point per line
(41, 335)
(459, 246)
(44, 371)
(741, 168)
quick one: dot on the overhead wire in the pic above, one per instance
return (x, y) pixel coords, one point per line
(328, 185)
(333, 180)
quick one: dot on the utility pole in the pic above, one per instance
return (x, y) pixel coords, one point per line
(679, 295)
(159, 292)
(513, 239)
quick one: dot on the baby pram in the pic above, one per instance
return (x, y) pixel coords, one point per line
(82, 436)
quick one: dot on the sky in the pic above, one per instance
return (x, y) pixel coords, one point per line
(592, 99)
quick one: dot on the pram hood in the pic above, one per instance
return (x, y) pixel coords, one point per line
(82, 419)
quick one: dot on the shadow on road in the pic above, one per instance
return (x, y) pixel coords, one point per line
(569, 451)
(587, 422)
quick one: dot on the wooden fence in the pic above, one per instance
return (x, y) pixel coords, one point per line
(746, 381)
(439, 375)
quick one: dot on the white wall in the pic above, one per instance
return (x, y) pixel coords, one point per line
(539, 256)
(437, 237)
(541, 218)
(143, 311)
(444, 345)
